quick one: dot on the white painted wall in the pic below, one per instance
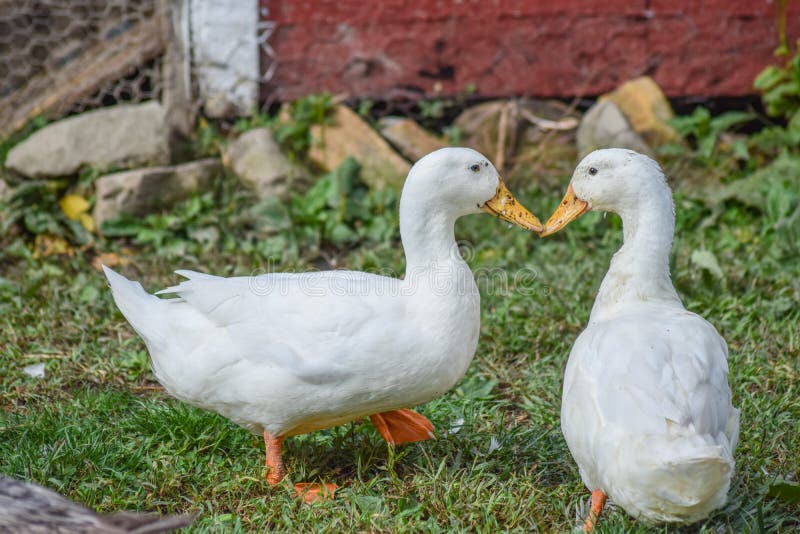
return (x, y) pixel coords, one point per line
(224, 37)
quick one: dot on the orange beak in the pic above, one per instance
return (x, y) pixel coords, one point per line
(508, 208)
(570, 209)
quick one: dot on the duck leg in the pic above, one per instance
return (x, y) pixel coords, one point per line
(402, 426)
(274, 462)
(307, 491)
(598, 501)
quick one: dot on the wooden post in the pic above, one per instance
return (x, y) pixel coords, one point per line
(176, 69)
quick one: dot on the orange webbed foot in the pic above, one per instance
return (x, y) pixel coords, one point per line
(402, 426)
(311, 492)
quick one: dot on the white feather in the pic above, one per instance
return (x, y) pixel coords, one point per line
(646, 406)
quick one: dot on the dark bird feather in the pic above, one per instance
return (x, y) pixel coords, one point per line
(26, 508)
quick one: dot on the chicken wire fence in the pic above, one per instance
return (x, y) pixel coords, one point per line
(60, 57)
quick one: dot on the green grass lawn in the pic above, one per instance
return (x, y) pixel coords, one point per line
(99, 429)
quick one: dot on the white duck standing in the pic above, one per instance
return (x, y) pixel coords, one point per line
(286, 354)
(646, 408)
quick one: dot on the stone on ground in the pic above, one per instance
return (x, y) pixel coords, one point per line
(138, 192)
(257, 160)
(412, 140)
(647, 109)
(605, 126)
(479, 126)
(117, 136)
(504, 128)
(350, 136)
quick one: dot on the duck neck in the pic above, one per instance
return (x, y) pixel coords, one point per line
(428, 236)
(639, 271)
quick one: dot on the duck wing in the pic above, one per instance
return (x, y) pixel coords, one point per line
(650, 372)
(317, 325)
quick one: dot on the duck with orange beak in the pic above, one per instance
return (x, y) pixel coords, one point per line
(646, 407)
(287, 354)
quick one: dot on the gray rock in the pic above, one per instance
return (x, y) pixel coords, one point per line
(257, 160)
(118, 136)
(142, 191)
(604, 126)
(412, 140)
(5, 190)
(647, 109)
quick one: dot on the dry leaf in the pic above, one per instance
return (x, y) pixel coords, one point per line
(109, 259)
(87, 222)
(48, 245)
(73, 206)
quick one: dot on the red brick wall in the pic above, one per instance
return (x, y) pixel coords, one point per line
(564, 48)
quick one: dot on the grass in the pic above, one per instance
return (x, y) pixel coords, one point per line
(100, 430)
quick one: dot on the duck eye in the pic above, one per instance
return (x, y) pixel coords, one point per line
(475, 168)
(592, 171)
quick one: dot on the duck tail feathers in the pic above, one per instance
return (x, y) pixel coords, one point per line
(713, 466)
(142, 310)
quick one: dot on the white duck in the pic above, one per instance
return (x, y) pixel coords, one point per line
(646, 408)
(286, 354)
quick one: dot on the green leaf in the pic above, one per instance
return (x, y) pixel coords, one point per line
(705, 146)
(769, 77)
(276, 248)
(8, 287)
(754, 189)
(776, 138)
(794, 121)
(477, 387)
(342, 234)
(697, 124)
(271, 212)
(778, 99)
(795, 64)
(781, 200)
(785, 490)
(739, 149)
(369, 504)
(151, 236)
(727, 120)
(42, 222)
(317, 197)
(348, 174)
(378, 230)
(124, 226)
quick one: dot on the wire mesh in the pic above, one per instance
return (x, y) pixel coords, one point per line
(59, 57)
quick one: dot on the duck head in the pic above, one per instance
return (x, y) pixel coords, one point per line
(461, 181)
(612, 179)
